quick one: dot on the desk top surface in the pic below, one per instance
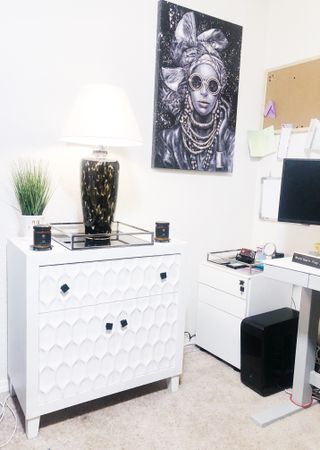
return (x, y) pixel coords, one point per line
(286, 263)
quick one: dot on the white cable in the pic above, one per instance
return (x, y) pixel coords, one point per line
(293, 303)
(2, 414)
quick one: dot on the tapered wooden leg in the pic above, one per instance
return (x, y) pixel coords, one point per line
(173, 383)
(11, 388)
(32, 427)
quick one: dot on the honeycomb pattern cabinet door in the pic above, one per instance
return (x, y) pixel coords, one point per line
(100, 347)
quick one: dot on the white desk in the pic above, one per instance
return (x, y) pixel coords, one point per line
(308, 278)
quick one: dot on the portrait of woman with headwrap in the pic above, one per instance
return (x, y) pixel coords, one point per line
(194, 118)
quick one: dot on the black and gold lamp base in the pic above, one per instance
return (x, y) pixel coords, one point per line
(99, 191)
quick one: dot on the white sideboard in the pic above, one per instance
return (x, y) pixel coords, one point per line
(225, 297)
(88, 323)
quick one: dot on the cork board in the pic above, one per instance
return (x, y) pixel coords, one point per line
(295, 91)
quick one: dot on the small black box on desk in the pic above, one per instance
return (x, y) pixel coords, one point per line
(268, 347)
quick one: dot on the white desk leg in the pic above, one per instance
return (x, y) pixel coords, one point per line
(306, 346)
(304, 362)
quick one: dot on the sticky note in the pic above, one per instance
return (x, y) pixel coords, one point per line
(313, 136)
(261, 142)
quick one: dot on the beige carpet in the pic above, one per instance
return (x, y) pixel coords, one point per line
(211, 410)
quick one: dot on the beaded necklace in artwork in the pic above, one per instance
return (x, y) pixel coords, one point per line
(196, 143)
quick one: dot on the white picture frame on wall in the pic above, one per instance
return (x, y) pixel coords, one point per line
(269, 198)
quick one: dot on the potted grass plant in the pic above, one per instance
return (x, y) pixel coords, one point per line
(32, 189)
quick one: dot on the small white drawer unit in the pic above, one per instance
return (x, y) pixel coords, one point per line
(225, 297)
(88, 323)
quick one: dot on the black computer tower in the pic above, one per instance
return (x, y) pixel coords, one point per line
(268, 346)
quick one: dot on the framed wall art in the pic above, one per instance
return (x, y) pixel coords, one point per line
(196, 90)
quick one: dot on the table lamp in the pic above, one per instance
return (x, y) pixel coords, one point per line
(101, 117)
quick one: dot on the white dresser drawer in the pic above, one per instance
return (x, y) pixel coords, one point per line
(222, 300)
(226, 280)
(88, 283)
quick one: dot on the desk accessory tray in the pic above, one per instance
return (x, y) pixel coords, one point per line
(227, 258)
(72, 236)
(223, 257)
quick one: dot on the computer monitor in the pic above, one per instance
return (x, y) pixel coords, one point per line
(300, 191)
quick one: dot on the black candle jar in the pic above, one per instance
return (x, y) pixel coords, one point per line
(162, 232)
(42, 237)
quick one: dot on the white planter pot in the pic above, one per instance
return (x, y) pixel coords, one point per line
(26, 225)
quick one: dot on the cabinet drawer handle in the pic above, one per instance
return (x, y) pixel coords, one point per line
(124, 323)
(163, 275)
(64, 288)
(109, 326)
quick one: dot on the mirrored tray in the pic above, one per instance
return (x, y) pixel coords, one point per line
(227, 258)
(73, 236)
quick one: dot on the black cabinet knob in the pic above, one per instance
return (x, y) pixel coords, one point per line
(124, 323)
(64, 288)
(241, 288)
(163, 275)
(109, 326)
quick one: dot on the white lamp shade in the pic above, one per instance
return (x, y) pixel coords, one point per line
(102, 116)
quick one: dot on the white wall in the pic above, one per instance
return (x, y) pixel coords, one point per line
(48, 50)
(293, 35)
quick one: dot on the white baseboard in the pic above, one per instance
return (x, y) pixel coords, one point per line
(4, 385)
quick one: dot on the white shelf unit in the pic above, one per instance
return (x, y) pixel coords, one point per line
(86, 324)
(225, 297)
